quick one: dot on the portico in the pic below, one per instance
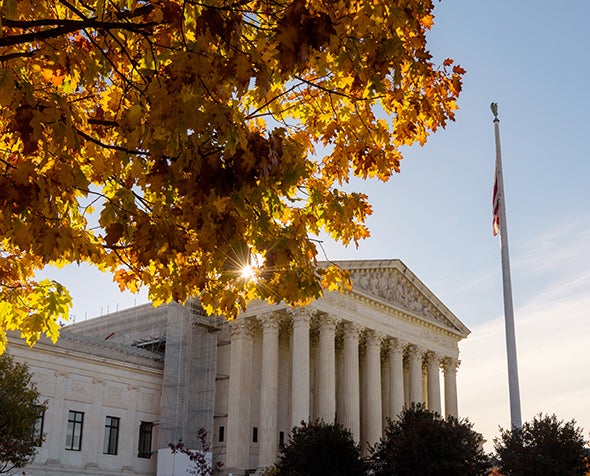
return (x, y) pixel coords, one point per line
(355, 358)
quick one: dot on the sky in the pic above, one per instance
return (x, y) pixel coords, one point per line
(532, 59)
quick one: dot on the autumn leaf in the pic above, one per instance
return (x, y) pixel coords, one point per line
(192, 128)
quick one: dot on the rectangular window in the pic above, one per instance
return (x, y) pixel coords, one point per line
(255, 435)
(37, 430)
(74, 434)
(111, 435)
(145, 440)
(281, 438)
(221, 433)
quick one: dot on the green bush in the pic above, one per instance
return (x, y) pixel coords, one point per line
(545, 446)
(320, 449)
(421, 442)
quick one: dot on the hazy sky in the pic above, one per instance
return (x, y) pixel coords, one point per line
(532, 58)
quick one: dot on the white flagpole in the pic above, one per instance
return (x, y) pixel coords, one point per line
(513, 386)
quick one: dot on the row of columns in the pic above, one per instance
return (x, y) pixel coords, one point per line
(237, 449)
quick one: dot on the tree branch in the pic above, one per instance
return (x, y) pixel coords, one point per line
(20, 54)
(63, 27)
(103, 122)
(322, 88)
(109, 146)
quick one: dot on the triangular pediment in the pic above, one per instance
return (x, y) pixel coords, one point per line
(391, 282)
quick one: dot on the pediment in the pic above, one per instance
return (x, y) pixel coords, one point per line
(393, 283)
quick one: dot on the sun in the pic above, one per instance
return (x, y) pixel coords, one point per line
(248, 273)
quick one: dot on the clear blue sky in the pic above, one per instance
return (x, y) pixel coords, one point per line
(532, 59)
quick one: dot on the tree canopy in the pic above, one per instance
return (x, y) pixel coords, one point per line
(544, 445)
(422, 442)
(19, 409)
(172, 142)
(320, 449)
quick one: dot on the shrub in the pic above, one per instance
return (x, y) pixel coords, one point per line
(421, 442)
(320, 449)
(545, 445)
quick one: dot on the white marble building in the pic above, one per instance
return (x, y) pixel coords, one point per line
(83, 382)
(355, 358)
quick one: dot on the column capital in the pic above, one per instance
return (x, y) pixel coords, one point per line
(373, 337)
(328, 322)
(450, 364)
(270, 321)
(351, 330)
(432, 357)
(416, 350)
(241, 328)
(301, 316)
(397, 345)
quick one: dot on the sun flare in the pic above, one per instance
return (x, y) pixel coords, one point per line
(248, 273)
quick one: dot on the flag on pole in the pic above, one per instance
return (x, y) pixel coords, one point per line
(496, 204)
(500, 226)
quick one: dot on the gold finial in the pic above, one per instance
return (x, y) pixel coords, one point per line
(494, 108)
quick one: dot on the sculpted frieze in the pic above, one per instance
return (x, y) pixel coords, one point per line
(390, 285)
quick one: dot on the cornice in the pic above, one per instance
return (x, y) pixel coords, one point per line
(84, 348)
(389, 309)
(430, 300)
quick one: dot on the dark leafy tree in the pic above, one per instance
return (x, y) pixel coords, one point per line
(421, 442)
(19, 410)
(545, 445)
(320, 449)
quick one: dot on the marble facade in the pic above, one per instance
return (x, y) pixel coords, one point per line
(96, 379)
(355, 358)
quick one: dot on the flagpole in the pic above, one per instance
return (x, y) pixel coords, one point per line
(513, 387)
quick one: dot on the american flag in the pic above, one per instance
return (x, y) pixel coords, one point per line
(496, 204)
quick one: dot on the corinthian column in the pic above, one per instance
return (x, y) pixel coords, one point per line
(327, 369)
(450, 370)
(373, 389)
(300, 372)
(396, 380)
(385, 384)
(415, 367)
(240, 388)
(433, 379)
(351, 416)
(269, 390)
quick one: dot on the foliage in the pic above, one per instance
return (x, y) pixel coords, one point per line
(422, 442)
(202, 466)
(320, 449)
(31, 307)
(545, 445)
(19, 409)
(171, 142)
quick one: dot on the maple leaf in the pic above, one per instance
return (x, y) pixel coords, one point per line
(191, 128)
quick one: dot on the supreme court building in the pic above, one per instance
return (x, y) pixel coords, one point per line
(355, 357)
